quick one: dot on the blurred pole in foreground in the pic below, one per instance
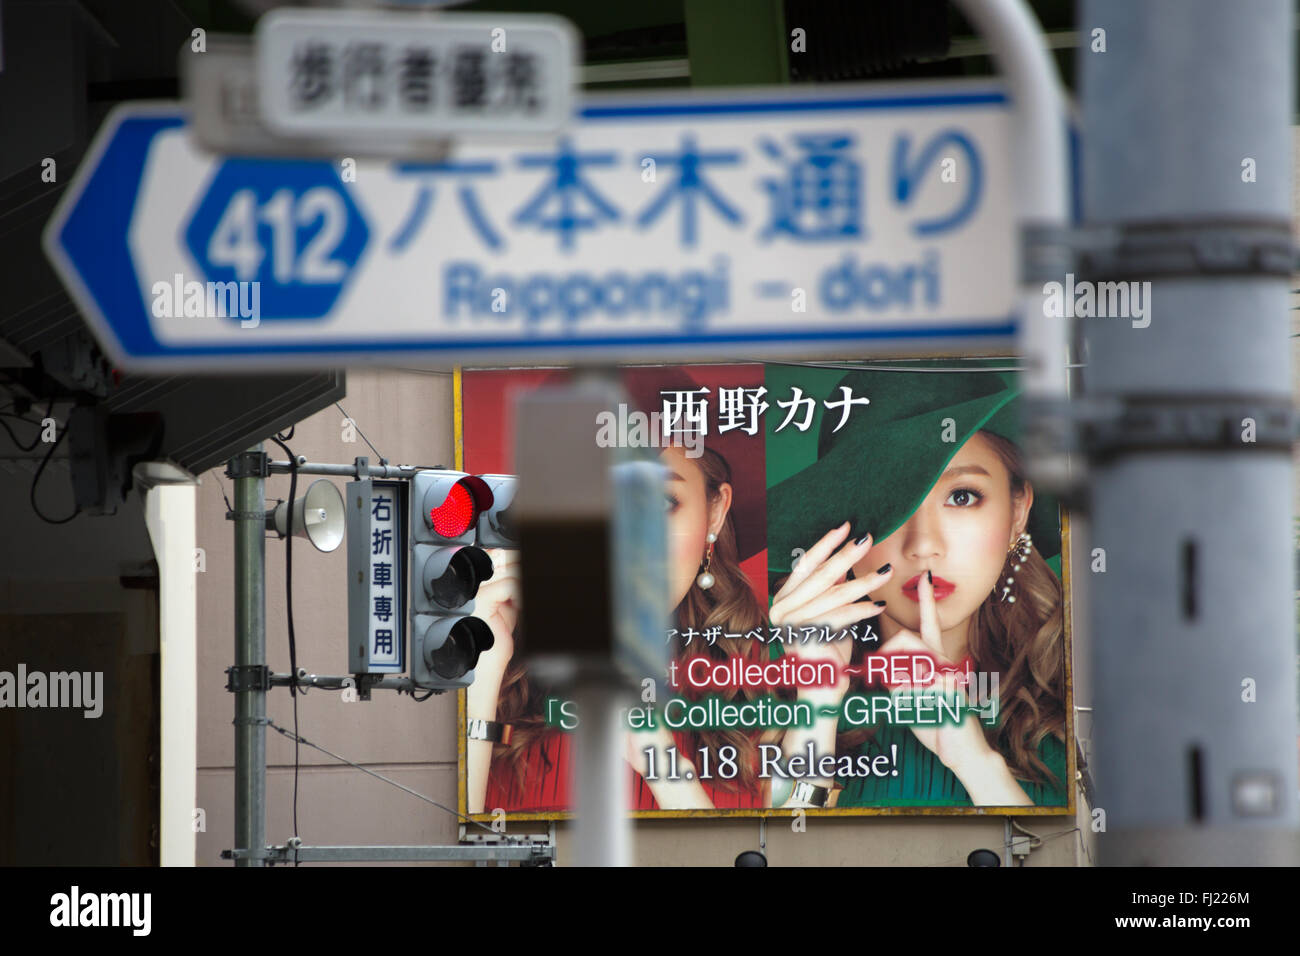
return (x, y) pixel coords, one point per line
(602, 834)
(593, 577)
(1183, 301)
(1039, 128)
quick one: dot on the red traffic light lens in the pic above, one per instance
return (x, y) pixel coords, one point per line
(454, 516)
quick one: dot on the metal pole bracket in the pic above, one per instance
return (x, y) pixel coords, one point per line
(249, 464)
(1213, 424)
(1186, 248)
(248, 677)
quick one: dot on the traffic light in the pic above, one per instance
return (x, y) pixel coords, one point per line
(446, 570)
(496, 525)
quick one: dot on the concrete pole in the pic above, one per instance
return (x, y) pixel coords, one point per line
(250, 652)
(602, 835)
(564, 511)
(1187, 152)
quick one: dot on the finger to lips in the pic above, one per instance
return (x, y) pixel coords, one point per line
(930, 632)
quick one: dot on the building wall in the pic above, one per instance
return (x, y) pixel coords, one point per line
(408, 416)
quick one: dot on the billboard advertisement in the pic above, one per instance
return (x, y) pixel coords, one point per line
(868, 610)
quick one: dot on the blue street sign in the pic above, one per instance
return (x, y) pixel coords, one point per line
(795, 222)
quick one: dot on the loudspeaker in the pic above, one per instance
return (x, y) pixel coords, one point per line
(317, 516)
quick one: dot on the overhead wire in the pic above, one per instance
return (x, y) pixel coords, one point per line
(40, 470)
(14, 438)
(49, 410)
(288, 599)
(415, 793)
(382, 459)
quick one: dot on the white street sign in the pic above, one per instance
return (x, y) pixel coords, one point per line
(795, 222)
(337, 72)
(220, 89)
(377, 549)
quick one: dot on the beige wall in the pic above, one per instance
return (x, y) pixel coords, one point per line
(408, 416)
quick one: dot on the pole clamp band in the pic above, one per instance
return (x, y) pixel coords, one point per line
(248, 677)
(1217, 247)
(490, 730)
(1047, 252)
(811, 794)
(249, 464)
(1190, 424)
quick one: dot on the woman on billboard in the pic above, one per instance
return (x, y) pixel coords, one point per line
(960, 562)
(529, 772)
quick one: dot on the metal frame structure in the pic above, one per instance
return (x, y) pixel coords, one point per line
(250, 679)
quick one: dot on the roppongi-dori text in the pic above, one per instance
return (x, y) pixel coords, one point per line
(687, 299)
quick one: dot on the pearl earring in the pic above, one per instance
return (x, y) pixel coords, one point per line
(1017, 553)
(705, 580)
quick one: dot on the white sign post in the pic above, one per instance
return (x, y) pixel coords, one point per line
(817, 222)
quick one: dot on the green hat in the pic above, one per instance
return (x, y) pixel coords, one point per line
(877, 468)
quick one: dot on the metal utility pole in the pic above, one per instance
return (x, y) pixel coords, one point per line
(247, 676)
(250, 679)
(1043, 205)
(1187, 159)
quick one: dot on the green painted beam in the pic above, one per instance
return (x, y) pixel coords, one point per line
(733, 42)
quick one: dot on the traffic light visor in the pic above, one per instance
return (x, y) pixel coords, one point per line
(460, 579)
(467, 638)
(457, 512)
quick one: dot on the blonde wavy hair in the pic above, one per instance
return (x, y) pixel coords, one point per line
(1024, 642)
